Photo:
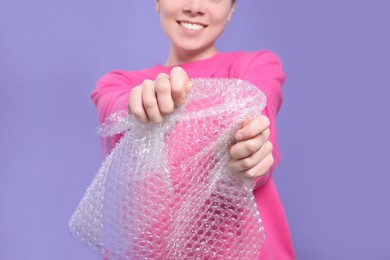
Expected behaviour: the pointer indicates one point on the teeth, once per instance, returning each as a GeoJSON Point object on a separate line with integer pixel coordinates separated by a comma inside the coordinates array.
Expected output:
{"type": "Point", "coordinates": [191, 26]}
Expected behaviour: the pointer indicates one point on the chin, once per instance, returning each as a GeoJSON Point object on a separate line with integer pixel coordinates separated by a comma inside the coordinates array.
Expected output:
{"type": "Point", "coordinates": [194, 47]}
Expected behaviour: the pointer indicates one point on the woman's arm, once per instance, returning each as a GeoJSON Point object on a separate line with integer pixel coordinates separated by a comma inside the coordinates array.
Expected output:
{"type": "Point", "coordinates": [111, 93]}
{"type": "Point", "coordinates": [256, 154]}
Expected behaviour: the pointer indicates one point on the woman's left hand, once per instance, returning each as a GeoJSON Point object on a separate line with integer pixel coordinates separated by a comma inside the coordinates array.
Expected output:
{"type": "Point", "coordinates": [251, 156]}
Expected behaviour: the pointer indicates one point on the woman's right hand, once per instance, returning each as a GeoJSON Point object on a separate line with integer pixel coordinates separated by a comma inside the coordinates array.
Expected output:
{"type": "Point", "coordinates": [153, 99]}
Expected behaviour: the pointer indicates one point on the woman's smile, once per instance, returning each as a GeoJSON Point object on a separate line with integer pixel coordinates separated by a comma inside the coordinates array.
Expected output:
{"type": "Point", "coordinates": [192, 26]}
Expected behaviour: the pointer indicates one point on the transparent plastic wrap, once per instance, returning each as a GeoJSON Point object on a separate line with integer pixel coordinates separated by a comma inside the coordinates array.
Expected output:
{"type": "Point", "coordinates": [165, 191]}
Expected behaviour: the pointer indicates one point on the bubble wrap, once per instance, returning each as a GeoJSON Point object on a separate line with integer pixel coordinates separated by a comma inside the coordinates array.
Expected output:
{"type": "Point", "coordinates": [165, 191]}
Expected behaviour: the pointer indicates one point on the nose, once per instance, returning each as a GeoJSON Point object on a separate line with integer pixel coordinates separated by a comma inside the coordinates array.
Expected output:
{"type": "Point", "coordinates": [194, 7]}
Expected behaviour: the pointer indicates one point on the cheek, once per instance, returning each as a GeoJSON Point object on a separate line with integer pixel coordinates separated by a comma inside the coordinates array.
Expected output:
{"type": "Point", "coordinates": [167, 12]}
{"type": "Point", "coordinates": [221, 23]}
{"type": "Point", "coordinates": [222, 18]}
{"type": "Point", "coordinates": [166, 20]}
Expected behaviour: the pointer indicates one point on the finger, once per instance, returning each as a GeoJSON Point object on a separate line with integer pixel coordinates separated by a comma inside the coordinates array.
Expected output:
{"type": "Point", "coordinates": [259, 169]}
{"type": "Point", "coordinates": [179, 84]}
{"type": "Point", "coordinates": [254, 128]}
{"type": "Point", "coordinates": [188, 86]}
{"type": "Point", "coordinates": [136, 107]}
{"type": "Point", "coordinates": [249, 162]}
{"type": "Point", "coordinates": [248, 147]}
{"type": "Point", "coordinates": [163, 91]}
{"type": "Point", "coordinates": [149, 100]}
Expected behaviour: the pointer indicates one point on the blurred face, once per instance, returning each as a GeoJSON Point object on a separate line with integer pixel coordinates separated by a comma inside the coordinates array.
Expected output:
{"type": "Point", "coordinates": [192, 26]}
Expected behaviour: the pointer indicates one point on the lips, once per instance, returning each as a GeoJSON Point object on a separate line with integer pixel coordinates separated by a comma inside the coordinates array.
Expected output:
{"type": "Point", "coordinates": [191, 25]}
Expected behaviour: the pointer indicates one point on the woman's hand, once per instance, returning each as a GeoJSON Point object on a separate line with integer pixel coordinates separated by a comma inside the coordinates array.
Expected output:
{"type": "Point", "coordinates": [151, 100]}
{"type": "Point", "coordinates": [251, 156]}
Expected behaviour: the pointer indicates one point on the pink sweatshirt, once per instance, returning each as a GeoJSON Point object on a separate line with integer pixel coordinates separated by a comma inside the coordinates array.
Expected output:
{"type": "Point", "coordinates": [262, 69]}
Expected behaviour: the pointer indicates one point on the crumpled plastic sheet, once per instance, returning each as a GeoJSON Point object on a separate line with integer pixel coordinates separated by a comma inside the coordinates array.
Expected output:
{"type": "Point", "coordinates": [165, 191]}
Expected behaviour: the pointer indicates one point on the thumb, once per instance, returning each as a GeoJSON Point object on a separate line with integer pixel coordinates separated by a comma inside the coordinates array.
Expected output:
{"type": "Point", "coordinates": [179, 79]}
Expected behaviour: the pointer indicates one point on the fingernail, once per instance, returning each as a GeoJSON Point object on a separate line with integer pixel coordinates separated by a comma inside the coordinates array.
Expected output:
{"type": "Point", "coordinates": [189, 85]}
{"type": "Point", "coordinates": [179, 101]}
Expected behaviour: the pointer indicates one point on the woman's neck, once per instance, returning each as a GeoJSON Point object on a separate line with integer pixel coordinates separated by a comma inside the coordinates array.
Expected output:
{"type": "Point", "coordinates": [181, 57]}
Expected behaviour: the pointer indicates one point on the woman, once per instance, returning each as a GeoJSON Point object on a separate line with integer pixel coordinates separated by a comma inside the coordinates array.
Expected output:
{"type": "Point", "coordinates": [192, 27]}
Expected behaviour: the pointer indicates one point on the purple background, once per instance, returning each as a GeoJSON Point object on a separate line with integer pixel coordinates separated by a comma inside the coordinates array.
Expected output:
{"type": "Point", "coordinates": [333, 127]}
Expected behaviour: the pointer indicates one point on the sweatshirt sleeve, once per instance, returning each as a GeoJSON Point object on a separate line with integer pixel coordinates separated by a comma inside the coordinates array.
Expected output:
{"type": "Point", "coordinates": [264, 70]}
{"type": "Point", "coordinates": [111, 95]}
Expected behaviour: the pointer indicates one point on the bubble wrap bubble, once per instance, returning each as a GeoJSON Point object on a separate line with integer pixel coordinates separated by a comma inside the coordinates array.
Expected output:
{"type": "Point", "coordinates": [165, 191]}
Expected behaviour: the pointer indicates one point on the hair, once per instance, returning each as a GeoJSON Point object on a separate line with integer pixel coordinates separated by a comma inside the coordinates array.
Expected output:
{"type": "Point", "coordinates": [233, 1]}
